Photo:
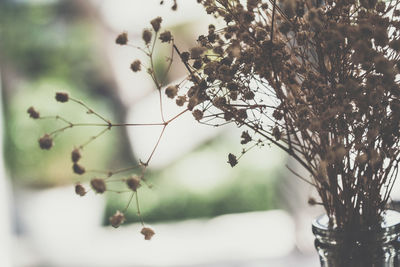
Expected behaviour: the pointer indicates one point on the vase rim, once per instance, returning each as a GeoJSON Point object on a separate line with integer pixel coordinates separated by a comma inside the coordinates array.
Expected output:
{"type": "Point", "coordinates": [390, 225]}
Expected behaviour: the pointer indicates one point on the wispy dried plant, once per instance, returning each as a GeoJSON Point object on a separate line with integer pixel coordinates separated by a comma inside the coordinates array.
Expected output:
{"type": "Point", "coordinates": [317, 79]}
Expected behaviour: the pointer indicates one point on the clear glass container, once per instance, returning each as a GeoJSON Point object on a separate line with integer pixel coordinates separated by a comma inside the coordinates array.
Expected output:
{"type": "Point", "coordinates": [363, 248]}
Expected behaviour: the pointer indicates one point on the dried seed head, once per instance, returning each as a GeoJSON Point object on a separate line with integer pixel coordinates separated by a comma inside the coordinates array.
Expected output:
{"type": "Point", "coordinates": [75, 155]}
{"type": "Point", "coordinates": [46, 142]}
{"type": "Point", "coordinates": [166, 37]}
{"type": "Point", "coordinates": [185, 56]}
{"type": "Point", "coordinates": [277, 133]}
{"type": "Point", "coordinates": [171, 91]}
{"type": "Point", "coordinates": [312, 201]}
{"type": "Point", "coordinates": [122, 39]}
{"type": "Point", "coordinates": [62, 97]}
{"type": "Point", "coordinates": [147, 232]}
{"type": "Point", "coordinates": [33, 113]}
{"type": "Point", "coordinates": [156, 23]}
{"type": "Point", "coordinates": [232, 160]}
{"type": "Point", "coordinates": [146, 36]}
{"type": "Point", "coordinates": [98, 185]}
{"type": "Point", "coordinates": [180, 100]}
{"type": "Point", "coordinates": [80, 190]}
{"type": "Point", "coordinates": [117, 219]}
{"type": "Point", "coordinates": [197, 114]}
{"type": "Point", "coordinates": [136, 65]}
{"type": "Point", "coordinates": [245, 138]}
{"type": "Point", "coordinates": [133, 182]}
{"type": "Point", "coordinates": [78, 169]}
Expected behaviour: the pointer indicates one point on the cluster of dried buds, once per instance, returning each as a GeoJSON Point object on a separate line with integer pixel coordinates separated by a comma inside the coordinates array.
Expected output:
{"type": "Point", "coordinates": [98, 184]}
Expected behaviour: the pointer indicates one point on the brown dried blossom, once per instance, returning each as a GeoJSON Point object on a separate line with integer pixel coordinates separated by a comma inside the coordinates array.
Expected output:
{"type": "Point", "coordinates": [80, 190]}
{"type": "Point", "coordinates": [133, 182]}
{"type": "Point", "coordinates": [166, 37]}
{"type": "Point", "coordinates": [146, 36]}
{"type": "Point", "coordinates": [156, 23]}
{"type": "Point", "coordinates": [33, 113]}
{"type": "Point", "coordinates": [78, 169]}
{"type": "Point", "coordinates": [75, 155]}
{"type": "Point", "coordinates": [147, 232]}
{"type": "Point", "coordinates": [98, 185]}
{"type": "Point", "coordinates": [62, 97]}
{"type": "Point", "coordinates": [232, 160]}
{"type": "Point", "coordinates": [46, 142]}
{"type": "Point", "coordinates": [117, 219]}
{"type": "Point", "coordinates": [122, 39]}
{"type": "Point", "coordinates": [136, 66]}
{"type": "Point", "coordinates": [171, 91]}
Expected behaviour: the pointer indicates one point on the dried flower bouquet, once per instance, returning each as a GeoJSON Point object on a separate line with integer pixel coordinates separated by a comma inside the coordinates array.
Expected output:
{"type": "Point", "coordinates": [317, 79]}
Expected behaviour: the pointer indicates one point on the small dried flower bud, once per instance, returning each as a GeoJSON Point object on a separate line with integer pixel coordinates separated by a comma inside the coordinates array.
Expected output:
{"type": "Point", "coordinates": [62, 97]}
{"type": "Point", "coordinates": [197, 114]}
{"type": "Point", "coordinates": [98, 185]}
{"type": "Point", "coordinates": [136, 65]}
{"type": "Point", "coordinates": [242, 114]}
{"type": "Point", "coordinates": [156, 23]}
{"type": "Point", "coordinates": [133, 182]}
{"type": "Point", "coordinates": [46, 142]}
{"type": "Point", "coordinates": [277, 133]}
{"type": "Point", "coordinates": [80, 190]}
{"type": "Point", "coordinates": [146, 36]}
{"type": "Point", "coordinates": [75, 155]}
{"type": "Point", "coordinates": [180, 100]}
{"type": "Point", "coordinates": [185, 56]}
{"type": "Point", "coordinates": [117, 219]}
{"type": "Point", "coordinates": [78, 169]}
{"type": "Point", "coordinates": [166, 37]}
{"type": "Point", "coordinates": [245, 138]}
{"type": "Point", "coordinates": [197, 64]}
{"type": "Point", "coordinates": [232, 160]}
{"type": "Point", "coordinates": [171, 91]}
{"type": "Point", "coordinates": [122, 39]}
{"type": "Point", "coordinates": [147, 232]}
{"type": "Point", "coordinates": [33, 113]}
{"type": "Point", "coordinates": [312, 201]}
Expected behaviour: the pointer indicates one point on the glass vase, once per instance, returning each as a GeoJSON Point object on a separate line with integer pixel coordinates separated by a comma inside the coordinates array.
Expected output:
{"type": "Point", "coordinates": [359, 248]}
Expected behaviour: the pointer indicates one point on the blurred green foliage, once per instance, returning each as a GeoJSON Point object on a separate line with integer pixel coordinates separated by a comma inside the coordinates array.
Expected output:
{"type": "Point", "coordinates": [47, 48]}
{"type": "Point", "coordinates": [249, 186]}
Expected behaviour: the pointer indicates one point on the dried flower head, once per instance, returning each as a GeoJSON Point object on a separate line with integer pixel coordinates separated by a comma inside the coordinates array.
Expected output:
{"type": "Point", "coordinates": [98, 185]}
{"type": "Point", "coordinates": [166, 37]}
{"type": "Point", "coordinates": [133, 182]}
{"type": "Point", "coordinates": [171, 91]}
{"type": "Point", "coordinates": [33, 113]}
{"type": "Point", "coordinates": [197, 114]}
{"type": "Point", "coordinates": [117, 219]}
{"type": "Point", "coordinates": [312, 201]}
{"type": "Point", "coordinates": [136, 65]}
{"type": "Point", "coordinates": [46, 142]}
{"type": "Point", "coordinates": [62, 97]}
{"type": "Point", "coordinates": [147, 232]}
{"type": "Point", "coordinates": [122, 39]}
{"type": "Point", "coordinates": [78, 169]}
{"type": "Point", "coordinates": [245, 137]}
{"type": "Point", "coordinates": [156, 23]}
{"type": "Point", "coordinates": [80, 190]}
{"type": "Point", "coordinates": [232, 160]}
{"type": "Point", "coordinates": [146, 36]}
{"type": "Point", "coordinates": [76, 155]}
